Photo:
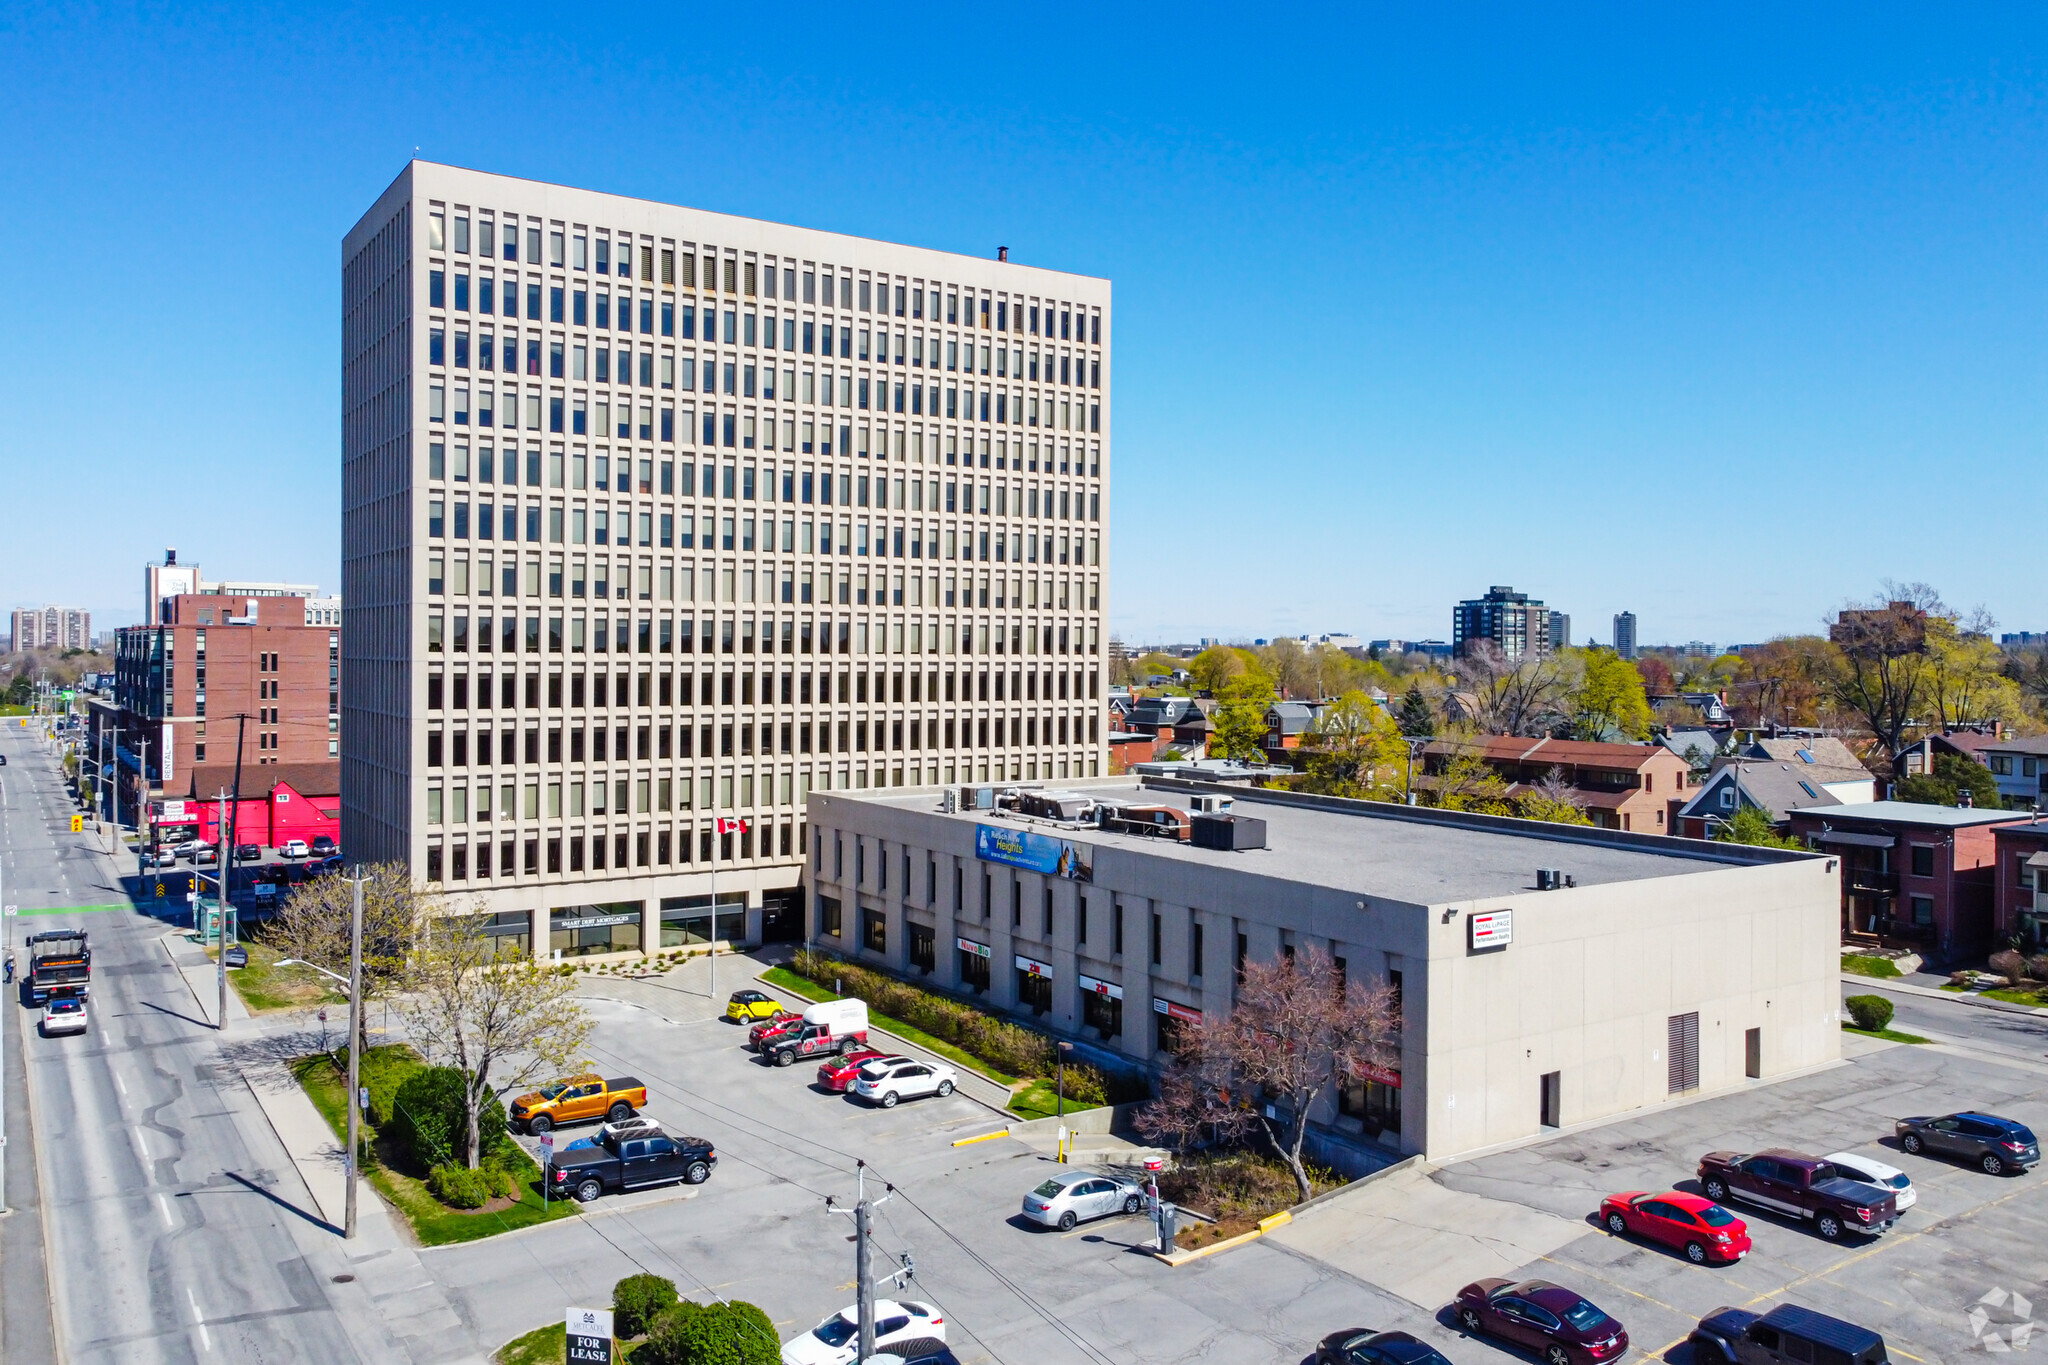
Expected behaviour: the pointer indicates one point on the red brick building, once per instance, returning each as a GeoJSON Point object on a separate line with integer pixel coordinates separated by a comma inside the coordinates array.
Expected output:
{"type": "Point", "coordinates": [1915, 874]}
{"type": "Point", "coordinates": [180, 685]}
{"type": "Point", "coordinates": [2020, 888]}
{"type": "Point", "coordinates": [1621, 786]}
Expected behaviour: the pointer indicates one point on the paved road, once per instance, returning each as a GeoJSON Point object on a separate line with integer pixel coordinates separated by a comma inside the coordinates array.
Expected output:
{"type": "Point", "coordinates": [174, 1223]}
{"type": "Point", "coordinates": [2009, 1033]}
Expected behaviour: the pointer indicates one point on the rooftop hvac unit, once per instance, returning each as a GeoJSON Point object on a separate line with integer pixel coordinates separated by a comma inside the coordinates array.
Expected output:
{"type": "Point", "coordinates": [1212, 805]}
{"type": "Point", "coordinates": [977, 798]}
{"type": "Point", "coordinates": [1229, 833]}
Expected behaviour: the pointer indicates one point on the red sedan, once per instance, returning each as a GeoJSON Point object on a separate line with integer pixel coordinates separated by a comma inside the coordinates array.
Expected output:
{"type": "Point", "coordinates": [1700, 1228]}
{"type": "Point", "coordinates": [773, 1027]}
{"type": "Point", "coordinates": [836, 1073]}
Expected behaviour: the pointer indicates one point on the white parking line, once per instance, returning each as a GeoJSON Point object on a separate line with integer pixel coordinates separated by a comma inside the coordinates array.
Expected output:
{"type": "Point", "coordinates": [163, 1206]}
{"type": "Point", "coordinates": [198, 1319]}
{"type": "Point", "coordinates": [122, 1086]}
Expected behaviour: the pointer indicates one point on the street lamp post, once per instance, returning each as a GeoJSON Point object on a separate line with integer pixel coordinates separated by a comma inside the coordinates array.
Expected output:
{"type": "Point", "coordinates": [1060, 1085]}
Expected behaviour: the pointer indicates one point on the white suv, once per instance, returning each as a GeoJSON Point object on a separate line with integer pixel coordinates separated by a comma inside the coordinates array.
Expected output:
{"type": "Point", "coordinates": [891, 1079]}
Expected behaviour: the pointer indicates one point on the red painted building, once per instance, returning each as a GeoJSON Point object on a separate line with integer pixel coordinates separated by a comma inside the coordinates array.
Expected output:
{"type": "Point", "coordinates": [279, 803]}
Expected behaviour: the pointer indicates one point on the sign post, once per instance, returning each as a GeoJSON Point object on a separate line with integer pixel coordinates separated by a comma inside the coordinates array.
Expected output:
{"type": "Point", "coordinates": [590, 1336]}
{"type": "Point", "coordinates": [547, 1159]}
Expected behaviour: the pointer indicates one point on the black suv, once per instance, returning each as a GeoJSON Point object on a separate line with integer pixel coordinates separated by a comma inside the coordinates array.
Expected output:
{"type": "Point", "coordinates": [1995, 1144]}
{"type": "Point", "coordinates": [324, 846]}
{"type": "Point", "coordinates": [628, 1157]}
{"type": "Point", "coordinates": [917, 1351]}
{"type": "Point", "coordinates": [1787, 1335]}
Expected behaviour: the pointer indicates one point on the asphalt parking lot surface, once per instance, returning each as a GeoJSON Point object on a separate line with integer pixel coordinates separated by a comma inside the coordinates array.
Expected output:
{"type": "Point", "coordinates": [1017, 1296]}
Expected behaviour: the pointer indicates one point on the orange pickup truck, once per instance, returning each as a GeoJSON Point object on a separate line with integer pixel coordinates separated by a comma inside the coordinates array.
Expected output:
{"type": "Point", "coordinates": [578, 1099]}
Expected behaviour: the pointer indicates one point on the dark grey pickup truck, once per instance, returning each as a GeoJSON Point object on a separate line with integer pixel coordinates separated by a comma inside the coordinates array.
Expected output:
{"type": "Point", "coordinates": [628, 1157]}
{"type": "Point", "coordinates": [1798, 1186]}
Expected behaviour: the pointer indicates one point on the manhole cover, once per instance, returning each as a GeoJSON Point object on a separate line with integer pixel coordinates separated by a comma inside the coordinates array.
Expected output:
{"type": "Point", "coordinates": [344, 1279]}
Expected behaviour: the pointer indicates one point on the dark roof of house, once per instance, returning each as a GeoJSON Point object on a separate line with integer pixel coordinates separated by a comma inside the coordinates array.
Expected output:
{"type": "Point", "coordinates": [1777, 789]}
{"type": "Point", "coordinates": [260, 779]}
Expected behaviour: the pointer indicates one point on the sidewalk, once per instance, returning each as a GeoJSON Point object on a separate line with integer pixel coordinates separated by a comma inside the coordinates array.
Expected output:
{"type": "Point", "coordinates": [199, 972]}
{"type": "Point", "coordinates": [1903, 987]}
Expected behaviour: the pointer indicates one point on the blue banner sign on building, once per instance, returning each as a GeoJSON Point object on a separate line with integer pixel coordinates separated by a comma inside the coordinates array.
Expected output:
{"type": "Point", "coordinates": [1034, 852]}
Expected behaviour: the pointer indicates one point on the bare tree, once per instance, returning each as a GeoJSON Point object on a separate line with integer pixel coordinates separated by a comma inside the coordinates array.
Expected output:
{"type": "Point", "coordinates": [1298, 1028]}
{"type": "Point", "coordinates": [313, 926]}
{"type": "Point", "coordinates": [1881, 673]}
{"type": "Point", "coordinates": [1528, 697]}
{"type": "Point", "coordinates": [501, 1019]}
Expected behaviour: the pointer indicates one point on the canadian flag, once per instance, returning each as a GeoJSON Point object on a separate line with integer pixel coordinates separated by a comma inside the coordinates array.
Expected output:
{"type": "Point", "coordinates": [731, 825]}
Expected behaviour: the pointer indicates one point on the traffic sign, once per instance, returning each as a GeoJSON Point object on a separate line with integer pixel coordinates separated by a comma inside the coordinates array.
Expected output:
{"type": "Point", "coordinates": [77, 824]}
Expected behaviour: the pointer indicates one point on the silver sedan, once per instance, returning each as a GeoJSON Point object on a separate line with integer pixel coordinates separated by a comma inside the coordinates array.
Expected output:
{"type": "Point", "coordinates": [1074, 1196]}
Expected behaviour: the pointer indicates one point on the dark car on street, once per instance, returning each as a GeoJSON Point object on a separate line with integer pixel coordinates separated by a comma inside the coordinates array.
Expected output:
{"type": "Point", "coordinates": [1996, 1145]}
{"type": "Point", "coordinates": [1559, 1324]}
{"type": "Point", "coordinates": [324, 846]}
{"type": "Point", "coordinates": [638, 1156]}
{"type": "Point", "coordinates": [248, 853]}
{"type": "Point", "coordinates": [1364, 1346]}
{"type": "Point", "coordinates": [1799, 1186]}
{"type": "Point", "coordinates": [915, 1351]}
{"type": "Point", "coordinates": [1787, 1335]}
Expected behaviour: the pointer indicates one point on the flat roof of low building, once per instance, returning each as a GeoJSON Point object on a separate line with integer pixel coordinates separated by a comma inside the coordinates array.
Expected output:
{"type": "Point", "coordinates": [1421, 856]}
{"type": "Point", "coordinates": [1919, 813]}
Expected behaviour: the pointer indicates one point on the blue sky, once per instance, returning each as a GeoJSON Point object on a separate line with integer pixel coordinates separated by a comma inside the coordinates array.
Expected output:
{"type": "Point", "coordinates": [1721, 319]}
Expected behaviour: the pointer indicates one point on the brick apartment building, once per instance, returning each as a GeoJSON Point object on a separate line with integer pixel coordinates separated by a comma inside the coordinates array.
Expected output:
{"type": "Point", "coordinates": [1622, 786]}
{"type": "Point", "coordinates": [1919, 874]}
{"type": "Point", "coordinates": [180, 685]}
{"type": "Point", "coordinates": [2020, 885]}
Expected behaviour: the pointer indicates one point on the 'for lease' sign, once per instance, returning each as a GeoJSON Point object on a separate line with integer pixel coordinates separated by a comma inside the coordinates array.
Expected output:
{"type": "Point", "coordinates": [590, 1336]}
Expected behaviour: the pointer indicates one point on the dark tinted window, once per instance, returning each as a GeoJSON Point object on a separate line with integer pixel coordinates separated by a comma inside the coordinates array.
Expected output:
{"type": "Point", "coordinates": [1978, 1128]}
{"type": "Point", "coordinates": [1828, 1355]}
{"type": "Point", "coordinates": [888, 1325]}
{"type": "Point", "coordinates": [1716, 1216]}
{"type": "Point", "coordinates": [1766, 1337]}
{"type": "Point", "coordinates": [1584, 1316]}
{"type": "Point", "coordinates": [1799, 1349]}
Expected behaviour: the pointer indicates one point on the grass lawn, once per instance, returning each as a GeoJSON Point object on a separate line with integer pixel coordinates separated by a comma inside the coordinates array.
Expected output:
{"type": "Point", "coordinates": [1890, 1035]}
{"type": "Point", "coordinates": [433, 1223]}
{"type": "Point", "coordinates": [2031, 999]}
{"type": "Point", "coordinates": [1863, 964]}
{"type": "Point", "coordinates": [796, 985]}
{"type": "Point", "coordinates": [1040, 1100]}
{"type": "Point", "coordinates": [548, 1346]}
{"type": "Point", "coordinates": [265, 987]}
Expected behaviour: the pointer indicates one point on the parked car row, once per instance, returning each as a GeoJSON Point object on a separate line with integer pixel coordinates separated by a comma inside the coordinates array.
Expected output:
{"type": "Point", "coordinates": [201, 853]}
{"type": "Point", "coordinates": [837, 1032]}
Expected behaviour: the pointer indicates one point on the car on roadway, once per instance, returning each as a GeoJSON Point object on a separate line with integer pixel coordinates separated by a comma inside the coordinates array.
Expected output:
{"type": "Point", "coordinates": [206, 855]}
{"type": "Point", "coordinates": [836, 1073]}
{"type": "Point", "coordinates": [746, 1006]}
{"type": "Point", "coordinates": [1851, 1166]}
{"type": "Point", "coordinates": [1995, 1145]}
{"type": "Point", "coordinates": [1559, 1324]}
{"type": "Point", "coordinates": [158, 857]}
{"type": "Point", "coordinates": [293, 848]}
{"type": "Point", "coordinates": [836, 1340]}
{"type": "Point", "coordinates": [887, 1081]}
{"type": "Point", "coordinates": [1060, 1201]}
{"type": "Point", "coordinates": [1364, 1346]}
{"type": "Point", "coordinates": [248, 853]}
{"type": "Point", "coordinates": [185, 848]}
{"type": "Point", "coordinates": [324, 846]}
{"type": "Point", "coordinates": [63, 1014]}
{"type": "Point", "coordinates": [1700, 1228]}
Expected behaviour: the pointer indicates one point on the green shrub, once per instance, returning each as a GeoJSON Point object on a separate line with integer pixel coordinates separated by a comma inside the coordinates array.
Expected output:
{"type": "Point", "coordinates": [428, 1114]}
{"type": "Point", "coordinates": [734, 1333]}
{"type": "Point", "coordinates": [459, 1187]}
{"type": "Point", "coordinates": [638, 1300]}
{"type": "Point", "coordinates": [1871, 1013]}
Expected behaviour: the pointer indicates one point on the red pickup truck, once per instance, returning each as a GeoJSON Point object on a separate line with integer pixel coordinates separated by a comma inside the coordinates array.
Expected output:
{"type": "Point", "coordinates": [1799, 1186]}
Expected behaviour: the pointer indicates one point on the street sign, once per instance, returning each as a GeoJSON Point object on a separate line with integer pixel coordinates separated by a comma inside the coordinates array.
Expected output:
{"type": "Point", "coordinates": [363, 1099]}
{"type": "Point", "coordinates": [13, 910]}
{"type": "Point", "coordinates": [547, 1148]}
{"type": "Point", "coordinates": [77, 824]}
{"type": "Point", "coordinates": [590, 1336]}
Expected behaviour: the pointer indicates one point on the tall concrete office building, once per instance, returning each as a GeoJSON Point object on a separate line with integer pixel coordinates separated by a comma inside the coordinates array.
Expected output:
{"type": "Point", "coordinates": [1514, 621]}
{"type": "Point", "coordinates": [1625, 634]}
{"type": "Point", "coordinates": [655, 519]}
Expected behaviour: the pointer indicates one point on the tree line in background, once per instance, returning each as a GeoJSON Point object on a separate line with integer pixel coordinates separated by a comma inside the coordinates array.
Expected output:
{"type": "Point", "coordinates": [1886, 673]}
{"type": "Point", "coordinates": [22, 670]}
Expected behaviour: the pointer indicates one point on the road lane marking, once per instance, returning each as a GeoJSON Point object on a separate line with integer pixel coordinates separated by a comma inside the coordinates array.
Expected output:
{"type": "Point", "coordinates": [163, 1206]}
{"type": "Point", "coordinates": [122, 1085]}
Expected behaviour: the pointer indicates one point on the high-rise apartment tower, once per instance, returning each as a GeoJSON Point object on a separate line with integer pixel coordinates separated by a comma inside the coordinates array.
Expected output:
{"type": "Point", "coordinates": [656, 519]}
{"type": "Point", "coordinates": [1514, 621]}
{"type": "Point", "coordinates": [1625, 634]}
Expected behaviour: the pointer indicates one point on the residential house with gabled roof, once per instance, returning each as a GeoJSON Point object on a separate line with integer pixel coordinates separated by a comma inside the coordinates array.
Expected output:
{"type": "Point", "coordinates": [1620, 786]}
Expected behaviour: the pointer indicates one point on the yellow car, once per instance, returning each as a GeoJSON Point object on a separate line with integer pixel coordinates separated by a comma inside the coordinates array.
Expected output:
{"type": "Point", "coordinates": [746, 1006]}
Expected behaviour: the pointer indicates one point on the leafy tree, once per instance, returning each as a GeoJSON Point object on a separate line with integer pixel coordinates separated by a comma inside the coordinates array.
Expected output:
{"type": "Point", "coordinates": [638, 1300]}
{"type": "Point", "coordinates": [430, 1111]}
{"type": "Point", "coordinates": [1241, 719]}
{"type": "Point", "coordinates": [1965, 676]}
{"type": "Point", "coordinates": [733, 1333]}
{"type": "Point", "coordinates": [1214, 667]}
{"type": "Point", "coordinates": [502, 1021]}
{"type": "Point", "coordinates": [1415, 717]}
{"type": "Point", "coordinates": [1879, 668]}
{"type": "Point", "coordinates": [1610, 696]}
{"type": "Point", "coordinates": [1156, 664]}
{"type": "Point", "coordinates": [1298, 1027]}
{"type": "Point", "coordinates": [1463, 780]}
{"type": "Point", "coordinates": [1952, 776]}
{"type": "Point", "coordinates": [1353, 747]}
{"type": "Point", "coordinates": [1553, 800]}
{"type": "Point", "coordinates": [1656, 675]}
{"type": "Point", "coordinates": [1753, 826]}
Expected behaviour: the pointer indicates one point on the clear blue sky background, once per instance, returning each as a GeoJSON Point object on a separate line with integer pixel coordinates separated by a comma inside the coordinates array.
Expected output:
{"type": "Point", "coordinates": [1719, 318]}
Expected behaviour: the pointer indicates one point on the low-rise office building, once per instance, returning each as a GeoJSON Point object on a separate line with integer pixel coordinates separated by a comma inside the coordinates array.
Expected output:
{"type": "Point", "coordinates": [1657, 967]}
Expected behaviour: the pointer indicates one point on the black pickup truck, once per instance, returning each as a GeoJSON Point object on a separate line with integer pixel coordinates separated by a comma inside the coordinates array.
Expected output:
{"type": "Point", "coordinates": [1799, 1186]}
{"type": "Point", "coordinates": [628, 1157]}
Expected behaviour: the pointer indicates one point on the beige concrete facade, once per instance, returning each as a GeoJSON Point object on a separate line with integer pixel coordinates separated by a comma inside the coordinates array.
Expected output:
{"type": "Point", "coordinates": [1587, 989]}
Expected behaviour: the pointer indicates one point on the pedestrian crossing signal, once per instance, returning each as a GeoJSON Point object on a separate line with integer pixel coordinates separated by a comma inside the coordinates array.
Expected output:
{"type": "Point", "coordinates": [77, 824]}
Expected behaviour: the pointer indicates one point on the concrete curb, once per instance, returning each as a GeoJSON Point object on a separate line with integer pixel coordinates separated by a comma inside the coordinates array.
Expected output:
{"type": "Point", "coordinates": [1411, 1163]}
{"type": "Point", "coordinates": [1883, 983]}
{"type": "Point", "coordinates": [1274, 1221]}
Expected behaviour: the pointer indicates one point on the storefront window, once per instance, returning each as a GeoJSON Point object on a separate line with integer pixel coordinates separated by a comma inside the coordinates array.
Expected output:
{"type": "Point", "coordinates": [874, 931]}
{"type": "Point", "coordinates": [686, 920]}
{"type": "Point", "coordinates": [1171, 1024]}
{"type": "Point", "coordinates": [513, 930]}
{"type": "Point", "coordinates": [1374, 1103]}
{"type": "Point", "coordinates": [1034, 990]}
{"type": "Point", "coordinates": [974, 973]}
{"type": "Point", "coordinates": [577, 930]}
{"type": "Point", "coordinates": [1103, 1013]}
{"type": "Point", "coordinates": [923, 951]}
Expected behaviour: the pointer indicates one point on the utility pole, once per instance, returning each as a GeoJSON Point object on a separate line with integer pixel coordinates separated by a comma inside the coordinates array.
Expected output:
{"type": "Point", "coordinates": [355, 1036]}
{"type": "Point", "coordinates": [862, 1214]}
{"type": "Point", "coordinates": [226, 830]}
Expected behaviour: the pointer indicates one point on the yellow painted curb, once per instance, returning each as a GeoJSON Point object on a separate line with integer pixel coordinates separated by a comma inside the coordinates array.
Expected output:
{"type": "Point", "coordinates": [1180, 1258]}
{"type": "Point", "coordinates": [1280, 1219]}
{"type": "Point", "coordinates": [984, 1137]}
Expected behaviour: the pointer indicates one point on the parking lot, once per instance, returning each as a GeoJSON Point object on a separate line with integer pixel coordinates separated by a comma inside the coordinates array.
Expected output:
{"type": "Point", "coordinates": [758, 1229]}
